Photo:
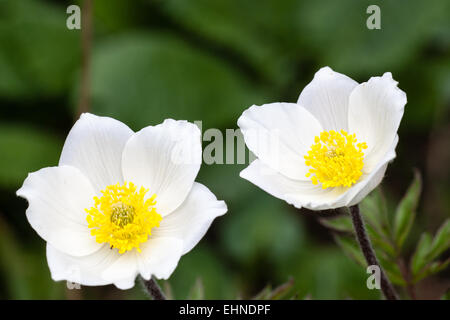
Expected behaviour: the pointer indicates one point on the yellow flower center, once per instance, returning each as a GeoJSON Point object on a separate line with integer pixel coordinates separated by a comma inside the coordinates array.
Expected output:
{"type": "Point", "coordinates": [336, 159]}
{"type": "Point", "coordinates": [123, 217]}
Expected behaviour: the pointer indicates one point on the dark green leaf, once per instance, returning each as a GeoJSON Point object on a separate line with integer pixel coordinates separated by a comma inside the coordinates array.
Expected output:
{"type": "Point", "coordinates": [374, 210]}
{"type": "Point", "coordinates": [351, 249]}
{"type": "Point", "coordinates": [281, 291]}
{"type": "Point", "coordinates": [38, 53]}
{"type": "Point", "coordinates": [264, 294]}
{"type": "Point", "coordinates": [441, 241]}
{"type": "Point", "coordinates": [144, 78]}
{"type": "Point", "coordinates": [432, 268]}
{"type": "Point", "coordinates": [28, 150]}
{"type": "Point", "coordinates": [419, 259]}
{"type": "Point", "coordinates": [406, 211]}
{"type": "Point", "coordinates": [392, 270]}
{"type": "Point", "coordinates": [341, 224]}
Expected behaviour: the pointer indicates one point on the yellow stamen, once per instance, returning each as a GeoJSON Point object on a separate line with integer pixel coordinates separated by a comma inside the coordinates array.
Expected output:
{"type": "Point", "coordinates": [123, 217]}
{"type": "Point", "coordinates": [336, 159]}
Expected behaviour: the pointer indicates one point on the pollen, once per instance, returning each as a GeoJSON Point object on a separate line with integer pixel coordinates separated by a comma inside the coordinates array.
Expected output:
{"type": "Point", "coordinates": [336, 159]}
{"type": "Point", "coordinates": [123, 217]}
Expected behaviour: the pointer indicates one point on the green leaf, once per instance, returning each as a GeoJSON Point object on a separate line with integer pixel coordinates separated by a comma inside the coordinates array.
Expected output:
{"type": "Point", "coordinates": [441, 241]}
{"type": "Point", "coordinates": [406, 211]}
{"type": "Point", "coordinates": [392, 270]}
{"type": "Point", "coordinates": [38, 53]}
{"type": "Point", "coordinates": [144, 78]}
{"type": "Point", "coordinates": [351, 249]}
{"type": "Point", "coordinates": [432, 268]}
{"type": "Point", "coordinates": [352, 43]}
{"type": "Point", "coordinates": [374, 211]}
{"type": "Point", "coordinates": [419, 258]}
{"type": "Point", "coordinates": [12, 265]}
{"type": "Point", "coordinates": [382, 244]}
{"type": "Point", "coordinates": [264, 41]}
{"type": "Point", "coordinates": [268, 228]}
{"type": "Point", "coordinates": [278, 293]}
{"type": "Point", "coordinates": [429, 249]}
{"type": "Point", "coordinates": [340, 223]}
{"type": "Point", "coordinates": [28, 149]}
{"type": "Point", "coordinates": [281, 291]}
{"type": "Point", "coordinates": [197, 291]}
{"type": "Point", "coordinates": [264, 294]}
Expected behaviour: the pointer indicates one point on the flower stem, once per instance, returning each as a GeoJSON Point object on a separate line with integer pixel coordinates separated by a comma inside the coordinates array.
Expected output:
{"type": "Point", "coordinates": [153, 289]}
{"type": "Point", "coordinates": [369, 254]}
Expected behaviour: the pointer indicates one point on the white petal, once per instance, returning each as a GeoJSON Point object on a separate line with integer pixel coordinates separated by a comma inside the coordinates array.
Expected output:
{"type": "Point", "coordinates": [280, 134]}
{"type": "Point", "coordinates": [58, 197]}
{"type": "Point", "coordinates": [86, 270]}
{"type": "Point", "coordinates": [95, 145]}
{"type": "Point", "coordinates": [370, 181]}
{"type": "Point", "coordinates": [123, 271]}
{"type": "Point", "coordinates": [326, 97]}
{"type": "Point", "coordinates": [375, 110]}
{"type": "Point", "coordinates": [165, 159]}
{"type": "Point", "coordinates": [298, 193]}
{"type": "Point", "coordinates": [159, 257]}
{"type": "Point", "coordinates": [192, 218]}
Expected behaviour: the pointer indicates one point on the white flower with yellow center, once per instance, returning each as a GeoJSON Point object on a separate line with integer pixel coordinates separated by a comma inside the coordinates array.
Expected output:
{"type": "Point", "coordinates": [332, 147]}
{"type": "Point", "coordinates": [121, 203]}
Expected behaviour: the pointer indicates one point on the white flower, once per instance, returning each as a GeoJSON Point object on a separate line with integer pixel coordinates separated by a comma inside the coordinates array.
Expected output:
{"type": "Point", "coordinates": [121, 203]}
{"type": "Point", "coordinates": [331, 148]}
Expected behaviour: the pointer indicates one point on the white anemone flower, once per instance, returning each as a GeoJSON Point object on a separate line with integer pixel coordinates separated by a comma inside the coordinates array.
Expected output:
{"type": "Point", "coordinates": [121, 203]}
{"type": "Point", "coordinates": [332, 147]}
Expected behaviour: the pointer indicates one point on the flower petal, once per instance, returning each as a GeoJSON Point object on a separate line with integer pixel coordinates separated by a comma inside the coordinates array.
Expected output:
{"type": "Point", "coordinates": [326, 97]}
{"type": "Point", "coordinates": [190, 221]}
{"type": "Point", "coordinates": [298, 193]}
{"type": "Point", "coordinates": [166, 159]}
{"type": "Point", "coordinates": [57, 197]}
{"type": "Point", "coordinates": [305, 194]}
{"type": "Point", "coordinates": [375, 110]}
{"type": "Point", "coordinates": [370, 181]}
{"type": "Point", "coordinates": [159, 257]}
{"type": "Point", "coordinates": [95, 145]}
{"type": "Point", "coordinates": [123, 271]}
{"type": "Point", "coordinates": [86, 270]}
{"type": "Point", "coordinates": [280, 134]}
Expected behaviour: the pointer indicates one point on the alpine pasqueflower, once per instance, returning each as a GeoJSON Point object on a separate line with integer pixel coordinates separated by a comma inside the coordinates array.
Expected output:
{"type": "Point", "coordinates": [121, 203]}
{"type": "Point", "coordinates": [332, 147]}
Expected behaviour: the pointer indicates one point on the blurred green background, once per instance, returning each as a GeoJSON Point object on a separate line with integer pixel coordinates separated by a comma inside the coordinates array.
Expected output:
{"type": "Point", "coordinates": [209, 60]}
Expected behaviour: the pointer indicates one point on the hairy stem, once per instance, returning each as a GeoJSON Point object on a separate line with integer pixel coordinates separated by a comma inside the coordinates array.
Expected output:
{"type": "Point", "coordinates": [153, 289]}
{"type": "Point", "coordinates": [369, 254]}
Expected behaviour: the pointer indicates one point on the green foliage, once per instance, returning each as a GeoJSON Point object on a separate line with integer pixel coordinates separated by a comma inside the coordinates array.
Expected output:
{"type": "Point", "coordinates": [38, 54]}
{"type": "Point", "coordinates": [428, 250]}
{"type": "Point", "coordinates": [23, 282]}
{"type": "Point", "coordinates": [267, 229]}
{"type": "Point", "coordinates": [209, 60]}
{"type": "Point", "coordinates": [28, 149]}
{"type": "Point", "coordinates": [281, 292]}
{"type": "Point", "coordinates": [406, 211]}
{"type": "Point", "coordinates": [388, 241]}
{"type": "Point", "coordinates": [158, 76]}
{"type": "Point", "coordinates": [340, 224]}
{"type": "Point", "coordinates": [197, 291]}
